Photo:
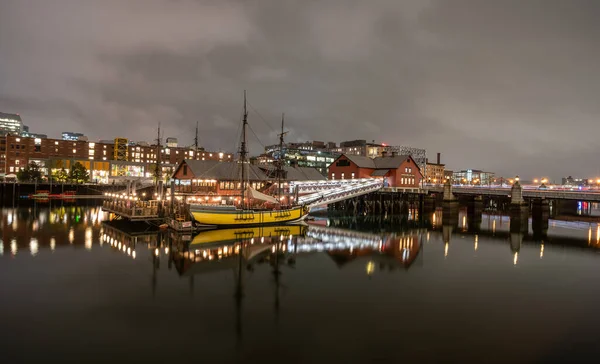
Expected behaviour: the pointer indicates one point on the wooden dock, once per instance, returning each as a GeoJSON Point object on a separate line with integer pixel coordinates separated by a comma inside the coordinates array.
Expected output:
{"type": "Point", "coordinates": [133, 210]}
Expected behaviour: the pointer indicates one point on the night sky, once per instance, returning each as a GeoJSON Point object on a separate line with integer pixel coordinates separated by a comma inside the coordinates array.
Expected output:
{"type": "Point", "coordinates": [507, 86]}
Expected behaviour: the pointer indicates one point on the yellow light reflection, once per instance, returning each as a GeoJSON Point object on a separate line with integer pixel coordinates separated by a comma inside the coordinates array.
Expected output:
{"type": "Point", "coordinates": [494, 226]}
{"type": "Point", "coordinates": [71, 236]}
{"type": "Point", "coordinates": [13, 247]}
{"type": "Point", "coordinates": [52, 243]}
{"type": "Point", "coordinates": [476, 241]}
{"type": "Point", "coordinates": [133, 254]}
{"type": "Point", "coordinates": [598, 234]}
{"type": "Point", "coordinates": [590, 235]}
{"type": "Point", "coordinates": [428, 236]}
{"type": "Point", "coordinates": [370, 268]}
{"type": "Point", "coordinates": [446, 250]}
{"type": "Point", "coordinates": [541, 251]}
{"type": "Point", "coordinates": [464, 222]}
{"type": "Point", "coordinates": [33, 247]}
{"type": "Point", "coordinates": [88, 238]}
{"type": "Point", "coordinates": [1, 247]}
{"type": "Point", "coordinates": [516, 258]}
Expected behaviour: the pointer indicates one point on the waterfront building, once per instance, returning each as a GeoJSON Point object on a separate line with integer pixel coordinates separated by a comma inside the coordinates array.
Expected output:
{"type": "Point", "coordinates": [472, 177]}
{"type": "Point", "coordinates": [448, 175]}
{"type": "Point", "coordinates": [576, 182]}
{"type": "Point", "coordinates": [311, 154]}
{"type": "Point", "coordinates": [434, 172]}
{"type": "Point", "coordinates": [210, 177]}
{"type": "Point", "coordinates": [16, 152]}
{"type": "Point", "coordinates": [395, 170]}
{"type": "Point", "coordinates": [68, 135]}
{"type": "Point", "coordinates": [360, 147]}
{"type": "Point", "coordinates": [10, 124]}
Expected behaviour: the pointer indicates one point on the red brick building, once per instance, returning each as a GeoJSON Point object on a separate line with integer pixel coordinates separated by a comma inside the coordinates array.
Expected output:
{"type": "Point", "coordinates": [395, 170]}
{"type": "Point", "coordinates": [16, 152]}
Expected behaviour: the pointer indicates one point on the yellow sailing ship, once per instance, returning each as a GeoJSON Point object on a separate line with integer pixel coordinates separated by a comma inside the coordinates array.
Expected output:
{"type": "Point", "coordinates": [231, 216]}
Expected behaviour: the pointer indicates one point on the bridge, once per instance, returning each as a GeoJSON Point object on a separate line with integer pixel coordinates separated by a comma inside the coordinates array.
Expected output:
{"type": "Point", "coordinates": [550, 194]}
{"type": "Point", "coordinates": [317, 193]}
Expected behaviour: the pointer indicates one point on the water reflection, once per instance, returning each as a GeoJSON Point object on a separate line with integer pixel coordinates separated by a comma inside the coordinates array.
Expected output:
{"type": "Point", "coordinates": [324, 269]}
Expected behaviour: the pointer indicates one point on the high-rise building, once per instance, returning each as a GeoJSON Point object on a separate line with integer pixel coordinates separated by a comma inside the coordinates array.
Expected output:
{"type": "Point", "coordinates": [67, 135]}
{"type": "Point", "coordinates": [10, 124]}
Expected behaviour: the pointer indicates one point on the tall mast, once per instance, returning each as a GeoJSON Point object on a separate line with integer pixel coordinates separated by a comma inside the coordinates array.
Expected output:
{"type": "Point", "coordinates": [196, 141]}
{"type": "Point", "coordinates": [244, 152]}
{"type": "Point", "coordinates": [158, 170]}
{"type": "Point", "coordinates": [281, 159]}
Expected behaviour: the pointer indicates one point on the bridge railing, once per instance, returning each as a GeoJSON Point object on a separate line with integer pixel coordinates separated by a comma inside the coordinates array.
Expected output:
{"type": "Point", "coordinates": [342, 193]}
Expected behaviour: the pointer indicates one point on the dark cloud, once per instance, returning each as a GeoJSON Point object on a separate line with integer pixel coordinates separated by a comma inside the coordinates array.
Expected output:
{"type": "Point", "coordinates": [509, 86]}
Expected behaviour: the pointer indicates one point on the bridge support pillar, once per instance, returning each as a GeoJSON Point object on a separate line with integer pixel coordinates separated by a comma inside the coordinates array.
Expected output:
{"type": "Point", "coordinates": [519, 218]}
{"type": "Point", "coordinates": [474, 210]}
{"type": "Point", "coordinates": [540, 213]}
{"type": "Point", "coordinates": [518, 210]}
{"type": "Point", "coordinates": [448, 196]}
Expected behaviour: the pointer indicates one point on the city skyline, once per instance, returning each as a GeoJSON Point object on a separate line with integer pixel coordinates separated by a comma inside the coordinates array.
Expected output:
{"type": "Point", "coordinates": [506, 86]}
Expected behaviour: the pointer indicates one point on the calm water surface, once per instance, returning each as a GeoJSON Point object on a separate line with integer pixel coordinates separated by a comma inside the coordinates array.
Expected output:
{"type": "Point", "coordinates": [77, 289]}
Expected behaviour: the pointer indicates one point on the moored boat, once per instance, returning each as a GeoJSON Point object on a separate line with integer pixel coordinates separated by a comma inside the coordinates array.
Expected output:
{"type": "Point", "coordinates": [244, 215]}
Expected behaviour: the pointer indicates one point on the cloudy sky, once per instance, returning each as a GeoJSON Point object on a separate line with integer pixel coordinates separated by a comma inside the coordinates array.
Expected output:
{"type": "Point", "coordinates": [510, 86]}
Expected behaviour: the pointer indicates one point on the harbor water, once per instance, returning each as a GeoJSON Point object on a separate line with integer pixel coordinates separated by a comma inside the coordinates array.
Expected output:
{"type": "Point", "coordinates": [76, 288]}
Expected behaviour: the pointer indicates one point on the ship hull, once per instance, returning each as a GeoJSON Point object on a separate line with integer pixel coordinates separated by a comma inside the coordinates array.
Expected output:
{"type": "Point", "coordinates": [234, 217]}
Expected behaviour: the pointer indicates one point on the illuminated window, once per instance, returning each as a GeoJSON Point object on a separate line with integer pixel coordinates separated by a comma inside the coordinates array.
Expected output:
{"type": "Point", "coordinates": [74, 151]}
{"type": "Point", "coordinates": [104, 152]}
{"type": "Point", "coordinates": [37, 141]}
{"type": "Point", "coordinates": [210, 154]}
{"type": "Point", "coordinates": [92, 145]}
{"type": "Point", "coordinates": [55, 143]}
{"type": "Point", "coordinates": [18, 139]}
{"type": "Point", "coordinates": [220, 155]}
{"type": "Point", "coordinates": [352, 175]}
{"type": "Point", "coordinates": [91, 152]}
{"type": "Point", "coordinates": [17, 162]}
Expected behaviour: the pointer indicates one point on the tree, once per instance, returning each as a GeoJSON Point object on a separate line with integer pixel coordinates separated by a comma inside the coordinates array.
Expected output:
{"type": "Point", "coordinates": [79, 174]}
{"type": "Point", "coordinates": [61, 175]}
{"type": "Point", "coordinates": [30, 173]}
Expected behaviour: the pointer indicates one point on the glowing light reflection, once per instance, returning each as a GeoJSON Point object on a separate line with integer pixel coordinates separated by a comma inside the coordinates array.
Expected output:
{"type": "Point", "coordinates": [33, 247]}
{"type": "Point", "coordinates": [13, 247]}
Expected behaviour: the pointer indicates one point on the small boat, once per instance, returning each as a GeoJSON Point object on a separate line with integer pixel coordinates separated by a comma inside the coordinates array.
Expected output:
{"type": "Point", "coordinates": [40, 195]}
{"type": "Point", "coordinates": [232, 216]}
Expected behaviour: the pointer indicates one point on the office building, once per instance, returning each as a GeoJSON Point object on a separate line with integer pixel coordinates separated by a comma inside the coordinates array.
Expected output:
{"type": "Point", "coordinates": [10, 124]}
{"type": "Point", "coordinates": [67, 135]}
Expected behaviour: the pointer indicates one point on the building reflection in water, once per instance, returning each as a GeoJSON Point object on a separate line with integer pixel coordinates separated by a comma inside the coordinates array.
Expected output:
{"type": "Point", "coordinates": [34, 228]}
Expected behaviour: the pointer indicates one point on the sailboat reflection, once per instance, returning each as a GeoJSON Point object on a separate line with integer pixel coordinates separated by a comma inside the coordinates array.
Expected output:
{"type": "Point", "coordinates": [281, 245]}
